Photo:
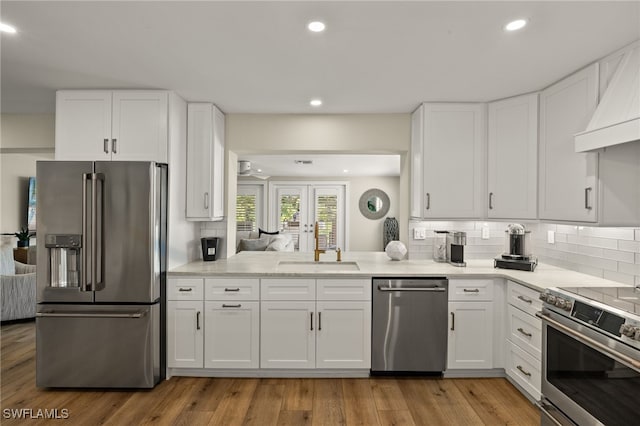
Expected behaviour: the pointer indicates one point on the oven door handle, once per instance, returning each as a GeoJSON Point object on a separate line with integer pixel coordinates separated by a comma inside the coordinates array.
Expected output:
{"type": "Point", "coordinates": [617, 356]}
{"type": "Point", "coordinates": [545, 412]}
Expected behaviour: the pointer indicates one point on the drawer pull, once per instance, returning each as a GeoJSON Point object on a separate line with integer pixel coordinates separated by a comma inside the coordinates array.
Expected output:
{"type": "Point", "coordinates": [524, 332]}
{"type": "Point", "coordinates": [185, 289]}
{"type": "Point", "coordinates": [475, 290]}
{"type": "Point", "coordinates": [523, 371]}
{"type": "Point", "coordinates": [231, 289]}
{"type": "Point", "coordinates": [525, 299]}
{"type": "Point", "coordinates": [231, 306]}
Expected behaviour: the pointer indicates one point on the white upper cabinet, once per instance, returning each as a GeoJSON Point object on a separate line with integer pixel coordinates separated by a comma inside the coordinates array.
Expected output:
{"type": "Point", "coordinates": [513, 158]}
{"type": "Point", "coordinates": [453, 161]}
{"type": "Point", "coordinates": [127, 125]}
{"type": "Point", "coordinates": [416, 198]}
{"type": "Point", "coordinates": [205, 162]}
{"type": "Point", "coordinates": [568, 180]}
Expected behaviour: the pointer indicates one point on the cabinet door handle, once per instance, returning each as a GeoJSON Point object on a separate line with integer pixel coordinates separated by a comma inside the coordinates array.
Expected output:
{"type": "Point", "coordinates": [231, 289]}
{"type": "Point", "coordinates": [428, 201]}
{"type": "Point", "coordinates": [491, 201]}
{"type": "Point", "coordinates": [311, 321]}
{"type": "Point", "coordinates": [185, 289]}
{"type": "Point", "coordinates": [231, 306]}
{"type": "Point", "coordinates": [467, 290]}
{"type": "Point", "coordinates": [453, 321]}
{"type": "Point", "coordinates": [319, 321]}
{"type": "Point", "coordinates": [198, 320]}
{"type": "Point", "coordinates": [114, 146]}
{"type": "Point", "coordinates": [524, 332]}
{"type": "Point", "coordinates": [523, 371]}
{"type": "Point", "coordinates": [106, 146]}
{"type": "Point", "coordinates": [525, 300]}
{"type": "Point", "coordinates": [206, 200]}
{"type": "Point", "coordinates": [587, 191]}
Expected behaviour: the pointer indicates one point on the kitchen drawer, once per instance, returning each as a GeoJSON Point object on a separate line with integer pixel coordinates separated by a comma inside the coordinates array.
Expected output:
{"type": "Point", "coordinates": [524, 369]}
{"type": "Point", "coordinates": [288, 289]}
{"type": "Point", "coordinates": [525, 331]}
{"type": "Point", "coordinates": [469, 290]}
{"type": "Point", "coordinates": [523, 298]}
{"type": "Point", "coordinates": [232, 289]}
{"type": "Point", "coordinates": [344, 289]}
{"type": "Point", "coordinates": [185, 289]}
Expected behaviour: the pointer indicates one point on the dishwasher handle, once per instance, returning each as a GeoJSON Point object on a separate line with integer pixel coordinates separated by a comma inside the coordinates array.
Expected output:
{"type": "Point", "coordinates": [431, 289]}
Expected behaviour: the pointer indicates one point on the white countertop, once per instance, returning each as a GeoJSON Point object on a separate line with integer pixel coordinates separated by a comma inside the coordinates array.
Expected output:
{"type": "Point", "coordinates": [377, 264]}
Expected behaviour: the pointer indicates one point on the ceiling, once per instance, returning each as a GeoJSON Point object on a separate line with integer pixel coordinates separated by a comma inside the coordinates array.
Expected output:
{"type": "Point", "coordinates": [258, 57]}
{"type": "Point", "coordinates": [324, 165]}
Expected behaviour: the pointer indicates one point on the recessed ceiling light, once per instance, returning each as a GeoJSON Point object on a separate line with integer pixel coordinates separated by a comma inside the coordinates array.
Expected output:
{"type": "Point", "coordinates": [345, 171]}
{"type": "Point", "coordinates": [515, 25]}
{"type": "Point", "coordinates": [316, 26]}
{"type": "Point", "coordinates": [259, 170]}
{"type": "Point", "coordinates": [5, 28]}
{"type": "Point", "coordinates": [315, 102]}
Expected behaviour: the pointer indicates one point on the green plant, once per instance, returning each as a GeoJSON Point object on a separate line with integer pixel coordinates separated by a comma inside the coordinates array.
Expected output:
{"type": "Point", "coordinates": [23, 234]}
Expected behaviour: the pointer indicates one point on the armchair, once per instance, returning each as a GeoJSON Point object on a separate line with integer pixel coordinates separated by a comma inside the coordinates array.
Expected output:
{"type": "Point", "coordinates": [17, 287]}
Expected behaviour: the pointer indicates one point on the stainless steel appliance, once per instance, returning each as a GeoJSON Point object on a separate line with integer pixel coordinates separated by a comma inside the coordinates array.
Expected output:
{"type": "Point", "coordinates": [590, 356]}
{"type": "Point", "coordinates": [100, 274]}
{"type": "Point", "coordinates": [409, 326]}
{"type": "Point", "coordinates": [517, 245]}
{"type": "Point", "coordinates": [456, 240]}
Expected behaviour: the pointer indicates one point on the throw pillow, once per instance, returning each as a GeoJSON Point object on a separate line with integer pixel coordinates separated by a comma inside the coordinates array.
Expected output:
{"type": "Point", "coordinates": [259, 244]}
{"type": "Point", "coordinates": [7, 265]}
{"type": "Point", "coordinates": [260, 232]}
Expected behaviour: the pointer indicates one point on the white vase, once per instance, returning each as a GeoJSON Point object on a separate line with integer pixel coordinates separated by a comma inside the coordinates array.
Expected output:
{"type": "Point", "coordinates": [396, 250]}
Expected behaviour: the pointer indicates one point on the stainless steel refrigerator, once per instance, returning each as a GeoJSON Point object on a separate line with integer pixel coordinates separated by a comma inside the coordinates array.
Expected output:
{"type": "Point", "coordinates": [101, 271]}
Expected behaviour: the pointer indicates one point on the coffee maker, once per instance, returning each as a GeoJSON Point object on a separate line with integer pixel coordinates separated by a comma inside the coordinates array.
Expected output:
{"type": "Point", "coordinates": [456, 240]}
{"type": "Point", "coordinates": [517, 246]}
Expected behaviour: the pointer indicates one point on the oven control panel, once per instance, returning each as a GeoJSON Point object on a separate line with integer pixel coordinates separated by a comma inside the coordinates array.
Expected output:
{"type": "Point", "coordinates": [560, 302]}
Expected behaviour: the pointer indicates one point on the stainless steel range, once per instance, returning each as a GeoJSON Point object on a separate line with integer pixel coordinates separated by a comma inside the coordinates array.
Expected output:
{"type": "Point", "coordinates": [590, 356]}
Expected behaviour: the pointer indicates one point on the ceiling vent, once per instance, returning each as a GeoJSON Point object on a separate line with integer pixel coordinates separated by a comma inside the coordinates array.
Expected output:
{"type": "Point", "coordinates": [303, 161]}
{"type": "Point", "coordinates": [616, 120]}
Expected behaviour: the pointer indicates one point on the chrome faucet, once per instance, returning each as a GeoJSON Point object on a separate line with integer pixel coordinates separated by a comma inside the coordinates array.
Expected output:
{"type": "Point", "coordinates": [316, 252]}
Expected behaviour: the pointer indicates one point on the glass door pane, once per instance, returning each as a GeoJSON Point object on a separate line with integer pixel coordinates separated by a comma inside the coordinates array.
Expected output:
{"type": "Point", "coordinates": [328, 211]}
{"type": "Point", "coordinates": [291, 214]}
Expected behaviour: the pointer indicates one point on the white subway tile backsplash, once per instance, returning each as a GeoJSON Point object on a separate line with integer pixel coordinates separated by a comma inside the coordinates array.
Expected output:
{"type": "Point", "coordinates": [622, 256]}
{"type": "Point", "coordinates": [611, 233]}
{"type": "Point", "coordinates": [612, 253]}
{"type": "Point", "coordinates": [633, 246]}
{"type": "Point", "coordinates": [629, 268]}
{"type": "Point", "coordinates": [619, 277]}
{"type": "Point", "coordinates": [567, 229]}
{"type": "Point", "coordinates": [591, 251]}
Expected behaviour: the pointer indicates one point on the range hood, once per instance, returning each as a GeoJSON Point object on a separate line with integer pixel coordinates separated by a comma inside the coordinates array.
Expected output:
{"type": "Point", "coordinates": [617, 117]}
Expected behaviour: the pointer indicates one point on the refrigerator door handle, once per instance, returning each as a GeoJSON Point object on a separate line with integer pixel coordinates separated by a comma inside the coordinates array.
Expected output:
{"type": "Point", "coordinates": [133, 315]}
{"type": "Point", "coordinates": [83, 257]}
{"type": "Point", "coordinates": [97, 231]}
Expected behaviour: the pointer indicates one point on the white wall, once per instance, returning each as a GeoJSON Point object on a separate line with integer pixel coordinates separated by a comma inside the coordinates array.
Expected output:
{"type": "Point", "coordinates": [331, 133]}
{"type": "Point", "coordinates": [24, 139]}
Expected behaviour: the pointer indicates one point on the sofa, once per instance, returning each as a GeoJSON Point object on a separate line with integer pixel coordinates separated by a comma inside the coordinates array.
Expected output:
{"type": "Point", "coordinates": [254, 241]}
{"type": "Point", "coordinates": [17, 287]}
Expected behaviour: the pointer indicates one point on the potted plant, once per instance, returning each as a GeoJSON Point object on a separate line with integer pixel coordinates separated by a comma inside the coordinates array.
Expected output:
{"type": "Point", "coordinates": [23, 237]}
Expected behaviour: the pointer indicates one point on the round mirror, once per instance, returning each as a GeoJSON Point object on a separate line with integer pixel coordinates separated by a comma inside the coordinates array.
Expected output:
{"type": "Point", "coordinates": [374, 204]}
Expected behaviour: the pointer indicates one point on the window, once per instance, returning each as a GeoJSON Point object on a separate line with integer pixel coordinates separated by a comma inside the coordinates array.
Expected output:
{"type": "Point", "coordinates": [249, 208]}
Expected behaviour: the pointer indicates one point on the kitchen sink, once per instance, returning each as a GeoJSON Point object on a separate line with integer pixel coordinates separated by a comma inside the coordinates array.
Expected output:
{"type": "Point", "coordinates": [309, 265]}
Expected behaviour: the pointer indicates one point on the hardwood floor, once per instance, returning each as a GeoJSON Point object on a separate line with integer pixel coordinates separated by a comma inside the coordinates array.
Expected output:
{"type": "Point", "coordinates": [207, 401]}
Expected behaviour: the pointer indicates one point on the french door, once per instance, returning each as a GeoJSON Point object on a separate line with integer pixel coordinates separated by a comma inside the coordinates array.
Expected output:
{"type": "Point", "coordinates": [296, 208]}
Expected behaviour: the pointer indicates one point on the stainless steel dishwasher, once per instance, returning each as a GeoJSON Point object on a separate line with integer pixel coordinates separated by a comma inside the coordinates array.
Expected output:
{"type": "Point", "coordinates": [409, 328]}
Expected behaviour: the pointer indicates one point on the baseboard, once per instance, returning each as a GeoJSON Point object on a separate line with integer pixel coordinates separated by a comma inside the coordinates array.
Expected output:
{"type": "Point", "coordinates": [267, 373]}
{"type": "Point", "coordinates": [460, 374]}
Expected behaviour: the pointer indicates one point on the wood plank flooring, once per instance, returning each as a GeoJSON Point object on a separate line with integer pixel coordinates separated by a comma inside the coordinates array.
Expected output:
{"type": "Point", "coordinates": [296, 402]}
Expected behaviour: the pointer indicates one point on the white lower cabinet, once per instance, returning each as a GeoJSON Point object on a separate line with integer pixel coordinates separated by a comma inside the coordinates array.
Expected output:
{"type": "Point", "coordinates": [523, 343]}
{"type": "Point", "coordinates": [470, 342]}
{"type": "Point", "coordinates": [232, 334]}
{"type": "Point", "coordinates": [343, 336]}
{"type": "Point", "coordinates": [332, 334]}
{"type": "Point", "coordinates": [184, 334]}
{"type": "Point", "coordinates": [287, 334]}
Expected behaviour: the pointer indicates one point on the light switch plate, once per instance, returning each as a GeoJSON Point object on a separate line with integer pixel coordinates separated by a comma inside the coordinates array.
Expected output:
{"type": "Point", "coordinates": [551, 237]}
{"type": "Point", "coordinates": [485, 233]}
{"type": "Point", "coordinates": [419, 233]}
